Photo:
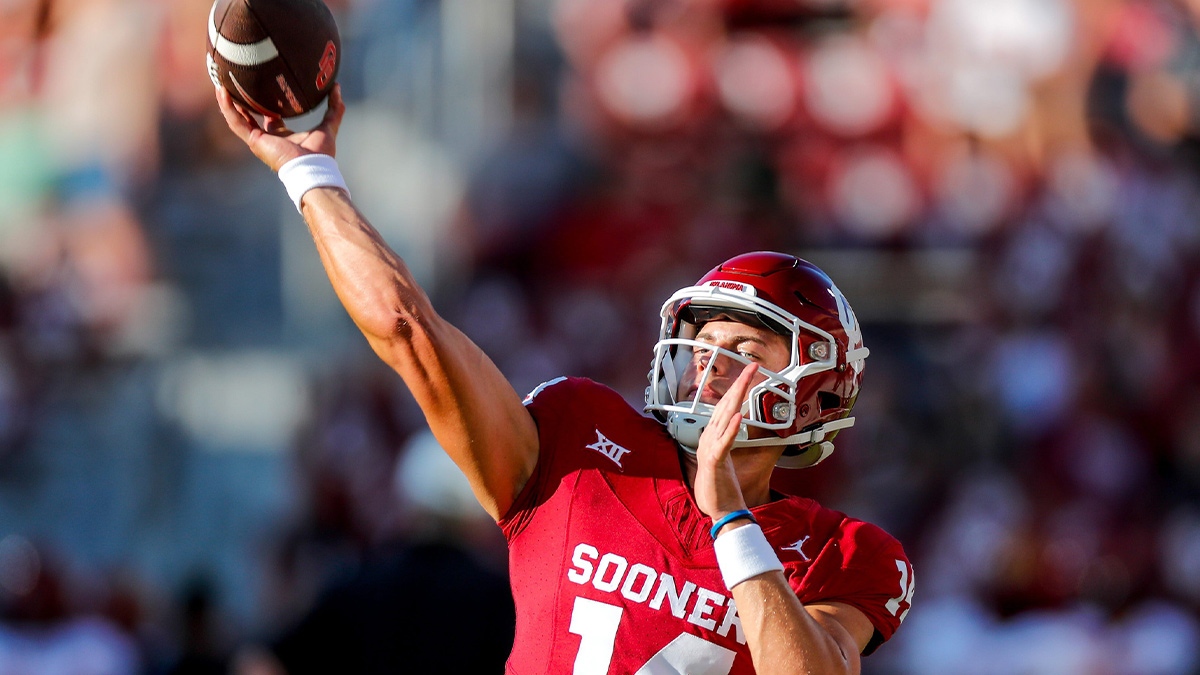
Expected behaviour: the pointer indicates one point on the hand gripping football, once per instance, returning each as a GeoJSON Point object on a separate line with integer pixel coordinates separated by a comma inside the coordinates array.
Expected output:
{"type": "Point", "coordinates": [276, 57]}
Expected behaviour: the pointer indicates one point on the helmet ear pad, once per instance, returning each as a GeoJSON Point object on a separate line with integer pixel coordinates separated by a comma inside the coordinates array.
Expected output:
{"type": "Point", "coordinates": [805, 410]}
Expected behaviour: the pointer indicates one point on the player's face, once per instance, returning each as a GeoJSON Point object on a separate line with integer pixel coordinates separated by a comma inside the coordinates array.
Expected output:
{"type": "Point", "coordinates": [767, 348]}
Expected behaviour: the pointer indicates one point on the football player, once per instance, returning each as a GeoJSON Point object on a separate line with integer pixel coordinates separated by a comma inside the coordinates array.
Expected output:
{"type": "Point", "coordinates": [639, 543]}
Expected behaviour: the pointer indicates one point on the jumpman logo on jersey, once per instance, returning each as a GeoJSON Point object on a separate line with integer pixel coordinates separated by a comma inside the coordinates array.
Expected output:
{"type": "Point", "coordinates": [797, 547]}
{"type": "Point", "coordinates": [608, 448]}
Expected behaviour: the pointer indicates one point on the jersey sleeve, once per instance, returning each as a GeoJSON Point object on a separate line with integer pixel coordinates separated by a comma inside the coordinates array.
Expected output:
{"type": "Point", "coordinates": [563, 410]}
{"type": "Point", "coordinates": [876, 578]}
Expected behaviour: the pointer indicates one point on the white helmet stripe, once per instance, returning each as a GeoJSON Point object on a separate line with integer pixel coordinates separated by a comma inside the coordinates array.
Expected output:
{"type": "Point", "coordinates": [855, 353]}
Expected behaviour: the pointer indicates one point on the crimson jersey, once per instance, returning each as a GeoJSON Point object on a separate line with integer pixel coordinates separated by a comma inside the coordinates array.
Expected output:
{"type": "Point", "coordinates": [612, 564]}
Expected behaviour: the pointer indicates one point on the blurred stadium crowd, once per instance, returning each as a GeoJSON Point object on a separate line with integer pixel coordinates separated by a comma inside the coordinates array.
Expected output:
{"type": "Point", "coordinates": [202, 470]}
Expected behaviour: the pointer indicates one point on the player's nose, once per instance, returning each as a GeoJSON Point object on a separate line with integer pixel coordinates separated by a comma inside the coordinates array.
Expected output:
{"type": "Point", "coordinates": [724, 365]}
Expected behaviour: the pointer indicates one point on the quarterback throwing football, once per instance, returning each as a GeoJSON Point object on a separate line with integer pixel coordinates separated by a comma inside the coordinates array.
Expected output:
{"type": "Point", "coordinates": [640, 544]}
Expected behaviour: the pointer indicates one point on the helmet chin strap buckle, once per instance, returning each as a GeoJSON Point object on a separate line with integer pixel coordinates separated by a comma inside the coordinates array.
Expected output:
{"type": "Point", "coordinates": [686, 429]}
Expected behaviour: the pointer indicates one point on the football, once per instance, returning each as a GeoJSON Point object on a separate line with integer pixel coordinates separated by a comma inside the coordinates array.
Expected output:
{"type": "Point", "coordinates": [276, 57]}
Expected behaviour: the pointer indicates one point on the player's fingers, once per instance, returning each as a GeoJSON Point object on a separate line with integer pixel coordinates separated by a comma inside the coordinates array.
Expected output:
{"type": "Point", "coordinates": [726, 418]}
{"type": "Point", "coordinates": [727, 415]}
{"type": "Point", "coordinates": [251, 121]}
{"type": "Point", "coordinates": [742, 384]}
{"type": "Point", "coordinates": [334, 111]}
{"type": "Point", "coordinates": [235, 118]}
{"type": "Point", "coordinates": [275, 126]}
{"type": "Point", "coordinates": [730, 432]}
{"type": "Point", "coordinates": [731, 401]}
{"type": "Point", "coordinates": [717, 440]}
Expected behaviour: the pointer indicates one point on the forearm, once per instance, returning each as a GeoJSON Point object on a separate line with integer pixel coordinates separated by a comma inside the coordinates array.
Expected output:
{"type": "Point", "coordinates": [783, 636]}
{"type": "Point", "coordinates": [371, 281]}
{"type": "Point", "coordinates": [470, 406]}
{"type": "Point", "coordinates": [388, 306]}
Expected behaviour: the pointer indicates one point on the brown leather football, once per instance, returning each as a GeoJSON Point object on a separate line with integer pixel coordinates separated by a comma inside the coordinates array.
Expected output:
{"type": "Point", "coordinates": [276, 57]}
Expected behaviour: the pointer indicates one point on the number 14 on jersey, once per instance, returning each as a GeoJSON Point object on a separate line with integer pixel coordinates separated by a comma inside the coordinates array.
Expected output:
{"type": "Point", "coordinates": [596, 624]}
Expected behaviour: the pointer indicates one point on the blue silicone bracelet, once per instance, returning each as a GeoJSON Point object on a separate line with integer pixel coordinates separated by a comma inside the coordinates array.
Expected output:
{"type": "Point", "coordinates": [730, 517]}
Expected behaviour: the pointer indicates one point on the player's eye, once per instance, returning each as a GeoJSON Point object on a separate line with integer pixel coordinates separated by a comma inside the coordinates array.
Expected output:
{"type": "Point", "coordinates": [748, 353]}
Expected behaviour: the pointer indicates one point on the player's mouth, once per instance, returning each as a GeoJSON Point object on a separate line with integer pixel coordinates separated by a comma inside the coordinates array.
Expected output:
{"type": "Point", "coordinates": [708, 395]}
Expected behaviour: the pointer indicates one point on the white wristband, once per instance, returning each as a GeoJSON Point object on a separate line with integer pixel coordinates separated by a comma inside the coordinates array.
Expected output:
{"type": "Point", "coordinates": [744, 552]}
{"type": "Point", "coordinates": [306, 172]}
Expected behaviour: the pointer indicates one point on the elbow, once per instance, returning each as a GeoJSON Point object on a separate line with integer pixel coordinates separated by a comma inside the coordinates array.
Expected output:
{"type": "Point", "coordinates": [403, 323]}
{"type": "Point", "coordinates": [410, 339]}
{"type": "Point", "coordinates": [402, 327]}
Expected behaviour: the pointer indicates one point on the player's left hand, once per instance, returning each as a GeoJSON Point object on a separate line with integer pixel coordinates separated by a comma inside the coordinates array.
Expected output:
{"type": "Point", "coordinates": [717, 489]}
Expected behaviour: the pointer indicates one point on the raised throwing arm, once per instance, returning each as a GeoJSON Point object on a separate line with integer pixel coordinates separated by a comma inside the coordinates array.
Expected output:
{"type": "Point", "coordinates": [470, 406]}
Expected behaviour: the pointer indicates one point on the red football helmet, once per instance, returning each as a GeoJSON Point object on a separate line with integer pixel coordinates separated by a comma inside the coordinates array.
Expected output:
{"type": "Point", "coordinates": [805, 404]}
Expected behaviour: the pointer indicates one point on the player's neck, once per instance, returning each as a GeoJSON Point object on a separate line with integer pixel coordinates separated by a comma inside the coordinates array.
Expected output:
{"type": "Point", "coordinates": [754, 479]}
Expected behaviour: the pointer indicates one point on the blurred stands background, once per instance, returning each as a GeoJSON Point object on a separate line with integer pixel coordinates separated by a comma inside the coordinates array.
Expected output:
{"type": "Point", "coordinates": [204, 470]}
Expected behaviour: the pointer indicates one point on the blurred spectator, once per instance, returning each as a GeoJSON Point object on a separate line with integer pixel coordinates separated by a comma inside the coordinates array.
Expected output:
{"type": "Point", "coordinates": [40, 631]}
{"type": "Point", "coordinates": [402, 607]}
{"type": "Point", "coordinates": [201, 649]}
